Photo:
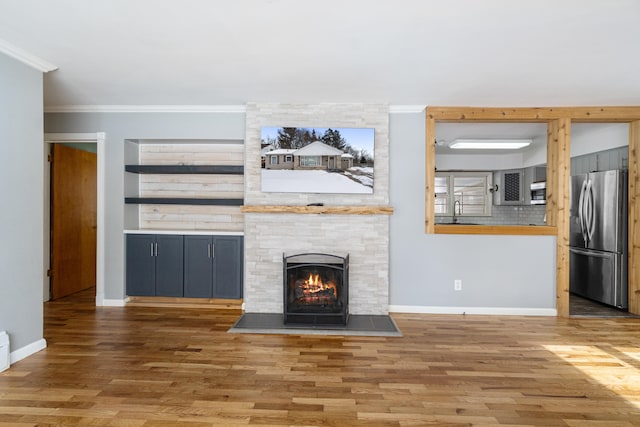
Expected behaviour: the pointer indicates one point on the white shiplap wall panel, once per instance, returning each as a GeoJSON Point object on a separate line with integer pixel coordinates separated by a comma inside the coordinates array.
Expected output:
{"type": "Point", "coordinates": [206, 186]}
{"type": "Point", "coordinates": [219, 186]}
{"type": "Point", "coordinates": [183, 217]}
{"type": "Point", "coordinates": [192, 154]}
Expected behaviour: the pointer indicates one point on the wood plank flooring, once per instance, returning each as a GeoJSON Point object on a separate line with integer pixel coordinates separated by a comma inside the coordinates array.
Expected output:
{"type": "Point", "coordinates": [168, 366]}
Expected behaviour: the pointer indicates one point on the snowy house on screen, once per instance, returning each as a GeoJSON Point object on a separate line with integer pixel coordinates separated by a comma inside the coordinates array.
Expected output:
{"type": "Point", "coordinates": [316, 155]}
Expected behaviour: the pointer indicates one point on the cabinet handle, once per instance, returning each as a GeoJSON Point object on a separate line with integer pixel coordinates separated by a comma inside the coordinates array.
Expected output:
{"type": "Point", "coordinates": [156, 248]}
{"type": "Point", "coordinates": [151, 245]}
{"type": "Point", "coordinates": [208, 250]}
{"type": "Point", "coordinates": [213, 250]}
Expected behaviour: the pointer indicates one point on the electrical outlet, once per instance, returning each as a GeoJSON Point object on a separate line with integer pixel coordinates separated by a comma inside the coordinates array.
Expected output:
{"type": "Point", "coordinates": [457, 285]}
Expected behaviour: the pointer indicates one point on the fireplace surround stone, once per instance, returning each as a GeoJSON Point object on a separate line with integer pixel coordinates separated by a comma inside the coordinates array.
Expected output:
{"type": "Point", "coordinates": [364, 237]}
{"type": "Point", "coordinates": [268, 235]}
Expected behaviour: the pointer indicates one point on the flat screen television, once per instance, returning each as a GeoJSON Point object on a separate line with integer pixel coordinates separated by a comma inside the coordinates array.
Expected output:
{"type": "Point", "coordinates": [317, 160]}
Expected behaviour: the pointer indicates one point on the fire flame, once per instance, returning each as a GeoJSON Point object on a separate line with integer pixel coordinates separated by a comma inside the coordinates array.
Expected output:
{"type": "Point", "coordinates": [314, 285]}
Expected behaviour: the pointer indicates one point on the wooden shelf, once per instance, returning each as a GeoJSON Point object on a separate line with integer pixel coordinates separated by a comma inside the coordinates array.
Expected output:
{"type": "Point", "coordinates": [185, 169]}
{"type": "Point", "coordinates": [182, 201]}
{"type": "Point", "coordinates": [525, 230]}
{"type": "Point", "coordinates": [329, 210]}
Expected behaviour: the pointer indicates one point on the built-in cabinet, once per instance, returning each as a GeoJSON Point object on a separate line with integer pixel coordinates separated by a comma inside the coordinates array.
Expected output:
{"type": "Point", "coordinates": [195, 266]}
{"type": "Point", "coordinates": [154, 265]}
{"type": "Point", "coordinates": [213, 266]}
{"type": "Point", "coordinates": [183, 223]}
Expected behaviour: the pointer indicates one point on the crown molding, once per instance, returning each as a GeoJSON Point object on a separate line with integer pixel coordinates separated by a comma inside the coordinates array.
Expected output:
{"type": "Point", "coordinates": [406, 109]}
{"type": "Point", "coordinates": [145, 109]}
{"type": "Point", "coordinates": [393, 109]}
{"type": "Point", "coordinates": [25, 57]}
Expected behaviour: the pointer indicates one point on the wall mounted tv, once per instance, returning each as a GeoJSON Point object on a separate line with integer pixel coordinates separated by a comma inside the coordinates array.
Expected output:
{"type": "Point", "coordinates": [317, 160]}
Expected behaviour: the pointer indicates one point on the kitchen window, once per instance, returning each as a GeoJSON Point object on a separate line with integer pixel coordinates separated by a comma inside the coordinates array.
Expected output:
{"type": "Point", "coordinates": [466, 192]}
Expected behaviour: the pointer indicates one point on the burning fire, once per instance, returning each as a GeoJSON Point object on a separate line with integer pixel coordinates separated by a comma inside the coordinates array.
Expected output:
{"type": "Point", "coordinates": [314, 285]}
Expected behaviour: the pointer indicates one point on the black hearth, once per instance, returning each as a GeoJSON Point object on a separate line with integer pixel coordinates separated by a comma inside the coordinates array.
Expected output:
{"type": "Point", "coordinates": [316, 289]}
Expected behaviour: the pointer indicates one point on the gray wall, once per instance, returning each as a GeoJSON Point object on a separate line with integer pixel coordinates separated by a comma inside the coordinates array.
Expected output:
{"type": "Point", "coordinates": [21, 216]}
{"type": "Point", "coordinates": [496, 271]}
{"type": "Point", "coordinates": [119, 127]}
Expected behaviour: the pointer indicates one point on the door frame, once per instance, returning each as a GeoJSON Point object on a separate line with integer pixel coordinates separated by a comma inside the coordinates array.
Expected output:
{"type": "Point", "coordinates": [91, 138]}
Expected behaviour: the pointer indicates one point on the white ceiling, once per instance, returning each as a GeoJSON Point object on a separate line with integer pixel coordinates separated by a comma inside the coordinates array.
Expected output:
{"type": "Point", "coordinates": [403, 52]}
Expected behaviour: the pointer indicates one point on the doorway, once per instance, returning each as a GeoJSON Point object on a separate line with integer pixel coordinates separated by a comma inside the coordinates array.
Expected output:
{"type": "Point", "coordinates": [98, 140]}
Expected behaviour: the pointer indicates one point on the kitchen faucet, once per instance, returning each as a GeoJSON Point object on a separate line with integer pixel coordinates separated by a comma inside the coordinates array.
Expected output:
{"type": "Point", "coordinates": [459, 203]}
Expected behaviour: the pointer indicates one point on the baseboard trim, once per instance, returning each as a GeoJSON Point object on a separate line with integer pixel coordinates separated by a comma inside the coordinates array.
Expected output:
{"type": "Point", "coordinates": [113, 302]}
{"type": "Point", "coordinates": [27, 350]}
{"type": "Point", "coordinates": [493, 311]}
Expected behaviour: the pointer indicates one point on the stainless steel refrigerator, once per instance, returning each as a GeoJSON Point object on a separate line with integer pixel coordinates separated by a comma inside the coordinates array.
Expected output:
{"type": "Point", "coordinates": [598, 237]}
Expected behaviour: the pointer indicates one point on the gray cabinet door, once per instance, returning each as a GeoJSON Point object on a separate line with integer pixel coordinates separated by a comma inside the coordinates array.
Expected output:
{"type": "Point", "coordinates": [169, 265]}
{"type": "Point", "coordinates": [198, 266]}
{"type": "Point", "coordinates": [141, 265]}
{"type": "Point", "coordinates": [227, 266]}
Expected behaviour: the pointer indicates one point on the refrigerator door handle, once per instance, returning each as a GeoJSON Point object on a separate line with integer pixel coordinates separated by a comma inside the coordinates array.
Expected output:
{"type": "Point", "coordinates": [590, 218]}
{"type": "Point", "coordinates": [581, 211]}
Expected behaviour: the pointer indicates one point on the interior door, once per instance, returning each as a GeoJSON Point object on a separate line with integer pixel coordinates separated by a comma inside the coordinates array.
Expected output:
{"type": "Point", "coordinates": [73, 220]}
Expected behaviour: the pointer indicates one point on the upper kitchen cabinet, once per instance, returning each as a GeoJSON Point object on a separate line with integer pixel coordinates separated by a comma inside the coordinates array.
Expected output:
{"type": "Point", "coordinates": [509, 187]}
{"type": "Point", "coordinates": [513, 187]}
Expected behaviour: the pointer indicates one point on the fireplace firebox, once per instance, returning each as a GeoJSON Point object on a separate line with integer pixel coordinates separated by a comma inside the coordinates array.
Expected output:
{"type": "Point", "coordinates": [316, 289]}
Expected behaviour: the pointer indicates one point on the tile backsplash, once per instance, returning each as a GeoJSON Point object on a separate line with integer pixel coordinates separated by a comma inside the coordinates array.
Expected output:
{"type": "Point", "coordinates": [504, 215]}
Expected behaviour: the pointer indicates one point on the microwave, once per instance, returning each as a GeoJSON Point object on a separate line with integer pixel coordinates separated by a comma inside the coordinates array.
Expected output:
{"type": "Point", "coordinates": [539, 193]}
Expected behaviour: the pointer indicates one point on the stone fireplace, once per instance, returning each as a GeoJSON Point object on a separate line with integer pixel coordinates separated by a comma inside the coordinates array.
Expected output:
{"type": "Point", "coordinates": [283, 223]}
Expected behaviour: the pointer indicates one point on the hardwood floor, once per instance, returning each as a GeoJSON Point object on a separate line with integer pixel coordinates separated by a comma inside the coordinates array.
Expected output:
{"type": "Point", "coordinates": [166, 366]}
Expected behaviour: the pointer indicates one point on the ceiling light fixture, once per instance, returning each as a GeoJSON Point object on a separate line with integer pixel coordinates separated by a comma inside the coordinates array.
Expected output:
{"type": "Point", "coordinates": [489, 144]}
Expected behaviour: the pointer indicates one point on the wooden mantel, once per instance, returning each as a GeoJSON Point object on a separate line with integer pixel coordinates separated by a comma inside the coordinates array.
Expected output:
{"type": "Point", "coordinates": [328, 210]}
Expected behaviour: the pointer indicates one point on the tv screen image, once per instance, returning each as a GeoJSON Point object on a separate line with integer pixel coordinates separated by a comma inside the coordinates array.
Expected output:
{"type": "Point", "coordinates": [317, 160]}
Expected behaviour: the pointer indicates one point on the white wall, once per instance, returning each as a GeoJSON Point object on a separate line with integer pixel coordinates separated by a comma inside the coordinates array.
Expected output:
{"type": "Point", "coordinates": [593, 137]}
{"type": "Point", "coordinates": [118, 128]}
{"type": "Point", "coordinates": [500, 274]}
{"type": "Point", "coordinates": [21, 216]}
{"type": "Point", "coordinates": [478, 162]}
